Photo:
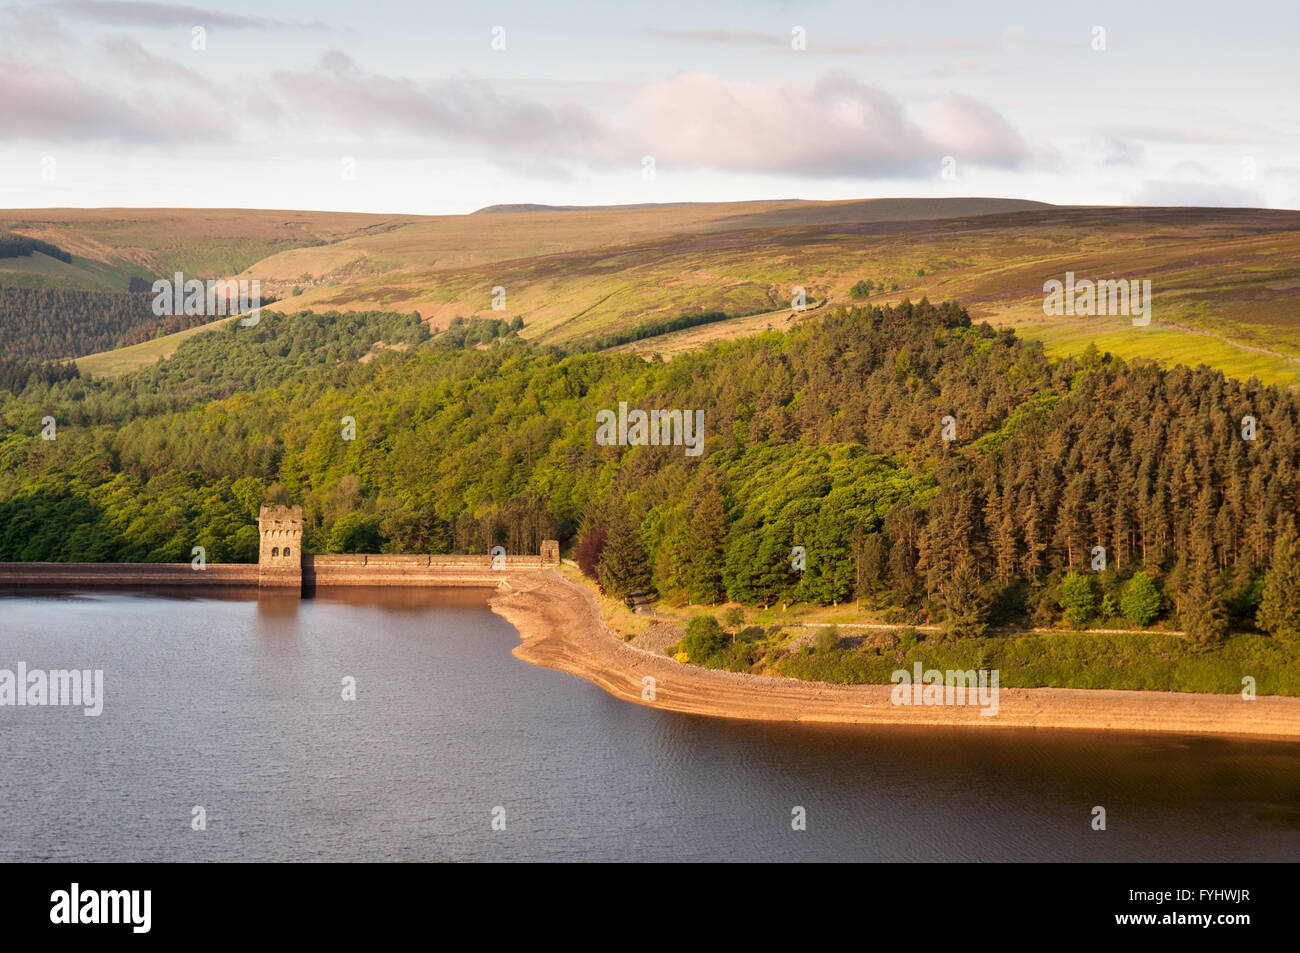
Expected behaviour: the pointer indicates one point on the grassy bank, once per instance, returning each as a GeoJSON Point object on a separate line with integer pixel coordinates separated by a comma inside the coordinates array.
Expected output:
{"type": "Point", "coordinates": [1164, 663]}
{"type": "Point", "coordinates": [1135, 661]}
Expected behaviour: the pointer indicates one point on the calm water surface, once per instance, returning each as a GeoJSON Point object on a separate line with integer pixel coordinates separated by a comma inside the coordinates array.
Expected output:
{"type": "Point", "coordinates": [235, 704]}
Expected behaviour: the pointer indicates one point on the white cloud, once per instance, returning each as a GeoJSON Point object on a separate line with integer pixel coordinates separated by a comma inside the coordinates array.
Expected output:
{"type": "Point", "coordinates": [836, 126]}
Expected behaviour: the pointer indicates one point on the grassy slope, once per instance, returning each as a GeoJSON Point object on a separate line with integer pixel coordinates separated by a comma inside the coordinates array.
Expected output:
{"type": "Point", "coordinates": [203, 243]}
{"type": "Point", "coordinates": [447, 265]}
{"type": "Point", "coordinates": [1225, 282]}
{"type": "Point", "coordinates": [42, 271]}
{"type": "Point", "coordinates": [1229, 275]}
{"type": "Point", "coordinates": [125, 359]}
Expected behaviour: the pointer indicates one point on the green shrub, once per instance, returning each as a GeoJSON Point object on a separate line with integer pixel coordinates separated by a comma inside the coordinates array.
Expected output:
{"type": "Point", "coordinates": [1077, 596]}
{"type": "Point", "coordinates": [1141, 601]}
{"type": "Point", "coordinates": [704, 639]}
{"type": "Point", "coordinates": [826, 640]}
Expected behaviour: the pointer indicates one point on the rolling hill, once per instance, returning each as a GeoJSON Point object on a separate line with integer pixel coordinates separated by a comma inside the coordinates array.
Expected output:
{"type": "Point", "coordinates": [1224, 281]}
{"type": "Point", "coordinates": [111, 245]}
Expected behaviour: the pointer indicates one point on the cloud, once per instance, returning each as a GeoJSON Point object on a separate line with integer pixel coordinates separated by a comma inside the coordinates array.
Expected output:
{"type": "Point", "coordinates": [1191, 169]}
{"type": "Point", "coordinates": [835, 127]}
{"type": "Point", "coordinates": [142, 13]}
{"type": "Point", "coordinates": [855, 49]}
{"type": "Point", "coordinates": [1121, 152]}
{"type": "Point", "coordinates": [958, 44]}
{"type": "Point", "coordinates": [1225, 132]}
{"type": "Point", "coordinates": [976, 133]}
{"type": "Point", "coordinates": [815, 42]}
{"type": "Point", "coordinates": [55, 106]}
{"type": "Point", "coordinates": [733, 37]}
{"type": "Point", "coordinates": [23, 29]}
{"type": "Point", "coordinates": [461, 109]}
{"type": "Point", "coordinates": [132, 58]}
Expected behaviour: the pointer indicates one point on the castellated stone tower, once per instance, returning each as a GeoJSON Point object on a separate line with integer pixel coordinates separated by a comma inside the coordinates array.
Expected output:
{"type": "Point", "coordinates": [550, 554]}
{"type": "Point", "coordinates": [279, 559]}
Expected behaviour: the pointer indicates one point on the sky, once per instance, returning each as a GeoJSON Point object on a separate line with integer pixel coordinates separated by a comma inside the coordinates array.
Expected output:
{"type": "Point", "coordinates": [437, 108]}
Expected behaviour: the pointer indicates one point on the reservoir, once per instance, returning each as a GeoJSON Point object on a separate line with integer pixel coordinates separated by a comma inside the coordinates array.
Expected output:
{"type": "Point", "coordinates": [453, 749]}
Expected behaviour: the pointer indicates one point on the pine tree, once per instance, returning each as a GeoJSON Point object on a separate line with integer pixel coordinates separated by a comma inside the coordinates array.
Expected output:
{"type": "Point", "coordinates": [1279, 611]}
{"type": "Point", "coordinates": [1203, 616]}
{"type": "Point", "coordinates": [1034, 545]}
{"type": "Point", "coordinates": [964, 600]}
{"type": "Point", "coordinates": [902, 525]}
{"type": "Point", "coordinates": [705, 539]}
{"type": "Point", "coordinates": [623, 568]}
{"type": "Point", "coordinates": [1202, 612]}
{"type": "Point", "coordinates": [868, 561]}
{"type": "Point", "coordinates": [1006, 546]}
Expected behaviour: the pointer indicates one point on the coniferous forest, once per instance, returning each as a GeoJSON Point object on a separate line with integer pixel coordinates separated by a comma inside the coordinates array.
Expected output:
{"type": "Point", "coordinates": [53, 323]}
{"type": "Point", "coordinates": [1070, 491]}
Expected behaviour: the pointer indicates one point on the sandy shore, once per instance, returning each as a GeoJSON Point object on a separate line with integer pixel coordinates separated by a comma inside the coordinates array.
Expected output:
{"type": "Point", "coordinates": [561, 627]}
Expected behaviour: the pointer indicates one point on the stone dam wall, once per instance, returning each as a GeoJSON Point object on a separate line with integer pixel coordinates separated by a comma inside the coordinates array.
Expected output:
{"type": "Point", "coordinates": [127, 574]}
{"type": "Point", "coordinates": [281, 565]}
{"type": "Point", "coordinates": [458, 571]}
{"type": "Point", "coordinates": [317, 571]}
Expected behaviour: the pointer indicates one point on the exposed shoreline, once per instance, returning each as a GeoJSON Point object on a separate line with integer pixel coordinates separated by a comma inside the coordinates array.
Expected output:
{"type": "Point", "coordinates": [561, 627]}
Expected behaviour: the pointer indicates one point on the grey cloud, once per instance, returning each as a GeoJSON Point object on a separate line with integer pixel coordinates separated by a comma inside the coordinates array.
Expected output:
{"type": "Point", "coordinates": [134, 59]}
{"type": "Point", "coordinates": [1121, 152]}
{"type": "Point", "coordinates": [144, 13]}
{"type": "Point", "coordinates": [1190, 169]}
{"type": "Point", "coordinates": [958, 44]}
{"type": "Point", "coordinates": [23, 28]}
{"type": "Point", "coordinates": [818, 42]}
{"type": "Point", "coordinates": [460, 109]}
{"type": "Point", "coordinates": [834, 48]}
{"type": "Point", "coordinates": [1222, 133]}
{"type": "Point", "coordinates": [735, 37]}
{"type": "Point", "coordinates": [55, 106]}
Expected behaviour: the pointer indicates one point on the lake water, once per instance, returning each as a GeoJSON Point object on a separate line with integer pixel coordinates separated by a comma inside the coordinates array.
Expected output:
{"type": "Point", "coordinates": [234, 704]}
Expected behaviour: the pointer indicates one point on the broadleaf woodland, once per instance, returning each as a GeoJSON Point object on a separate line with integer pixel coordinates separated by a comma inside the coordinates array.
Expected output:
{"type": "Point", "coordinates": [826, 436]}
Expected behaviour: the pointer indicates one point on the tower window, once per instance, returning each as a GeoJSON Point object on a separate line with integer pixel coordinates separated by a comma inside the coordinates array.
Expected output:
{"type": "Point", "coordinates": [275, 550]}
{"type": "Point", "coordinates": [286, 550]}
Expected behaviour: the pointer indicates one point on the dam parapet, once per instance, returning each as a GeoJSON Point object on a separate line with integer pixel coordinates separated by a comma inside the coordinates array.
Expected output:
{"type": "Point", "coordinates": [394, 570]}
{"type": "Point", "coordinates": [36, 575]}
{"type": "Point", "coordinates": [283, 567]}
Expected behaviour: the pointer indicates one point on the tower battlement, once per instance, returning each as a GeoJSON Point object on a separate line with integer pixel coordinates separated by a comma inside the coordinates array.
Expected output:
{"type": "Point", "coordinates": [279, 556]}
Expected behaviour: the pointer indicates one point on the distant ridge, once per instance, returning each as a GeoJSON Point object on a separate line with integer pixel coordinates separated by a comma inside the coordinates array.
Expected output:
{"type": "Point", "coordinates": [882, 209]}
{"type": "Point", "coordinates": [532, 207]}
